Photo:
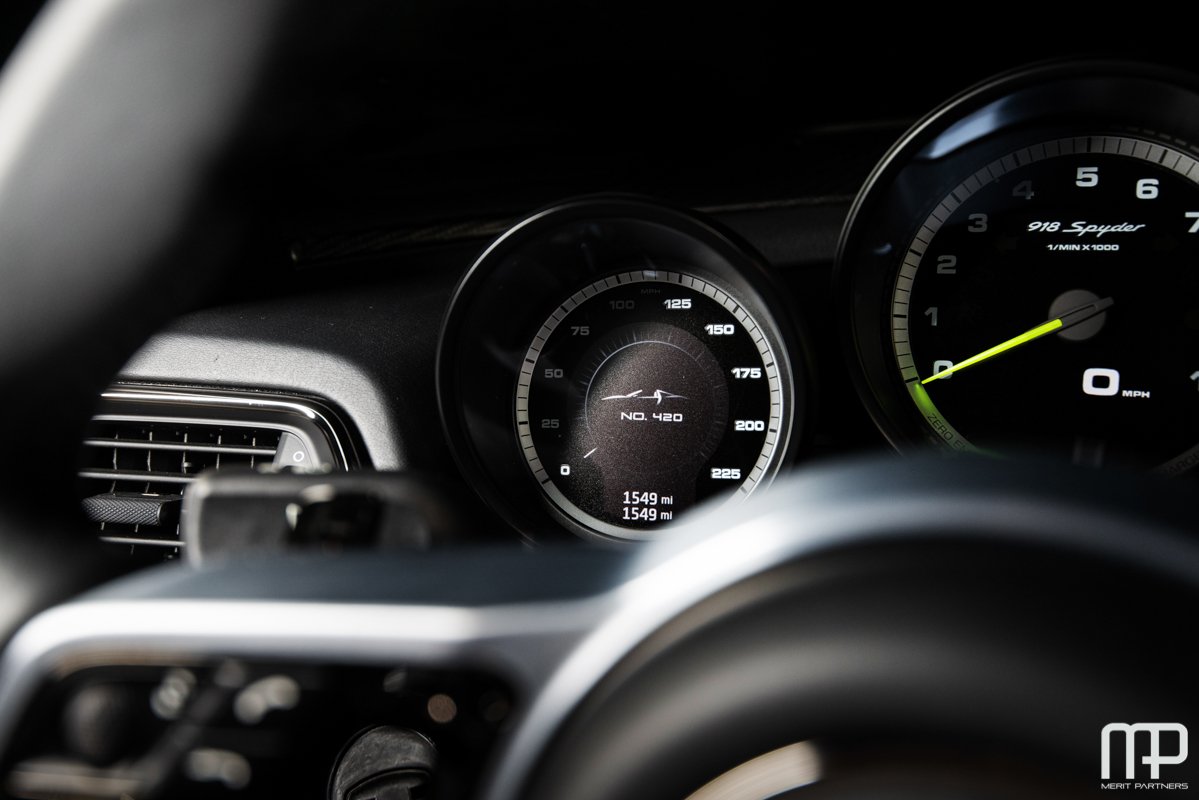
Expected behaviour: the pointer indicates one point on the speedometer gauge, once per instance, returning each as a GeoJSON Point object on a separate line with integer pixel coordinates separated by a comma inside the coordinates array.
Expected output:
{"type": "Point", "coordinates": [610, 364]}
{"type": "Point", "coordinates": [1021, 271]}
{"type": "Point", "coordinates": [647, 392]}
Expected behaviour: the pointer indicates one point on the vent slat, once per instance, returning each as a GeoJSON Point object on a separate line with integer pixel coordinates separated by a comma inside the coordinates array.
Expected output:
{"type": "Point", "coordinates": [134, 444]}
{"type": "Point", "coordinates": [138, 476]}
{"type": "Point", "coordinates": [137, 540]}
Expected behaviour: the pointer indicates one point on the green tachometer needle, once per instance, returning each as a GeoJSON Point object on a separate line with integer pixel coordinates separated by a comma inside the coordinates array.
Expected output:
{"type": "Point", "coordinates": [1059, 323]}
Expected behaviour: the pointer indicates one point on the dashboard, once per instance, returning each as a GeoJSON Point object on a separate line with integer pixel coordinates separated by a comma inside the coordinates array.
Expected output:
{"type": "Point", "coordinates": [599, 340]}
{"type": "Point", "coordinates": [497, 283]}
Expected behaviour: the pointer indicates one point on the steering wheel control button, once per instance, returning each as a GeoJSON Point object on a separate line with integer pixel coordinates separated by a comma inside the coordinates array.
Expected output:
{"type": "Point", "coordinates": [101, 721]}
{"type": "Point", "coordinates": [385, 763]}
{"type": "Point", "coordinates": [272, 693]}
{"type": "Point", "coordinates": [210, 765]}
{"type": "Point", "coordinates": [172, 695]}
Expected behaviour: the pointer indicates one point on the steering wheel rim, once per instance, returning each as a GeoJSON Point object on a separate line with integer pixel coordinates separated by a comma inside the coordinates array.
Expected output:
{"type": "Point", "coordinates": [120, 125]}
{"type": "Point", "coordinates": [702, 671]}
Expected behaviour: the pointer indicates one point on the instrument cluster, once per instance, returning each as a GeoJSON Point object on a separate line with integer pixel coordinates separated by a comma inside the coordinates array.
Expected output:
{"type": "Point", "coordinates": [1017, 275]}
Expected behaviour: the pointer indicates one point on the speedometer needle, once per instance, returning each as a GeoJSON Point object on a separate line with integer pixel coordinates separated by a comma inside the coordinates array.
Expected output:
{"type": "Point", "coordinates": [1058, 323]}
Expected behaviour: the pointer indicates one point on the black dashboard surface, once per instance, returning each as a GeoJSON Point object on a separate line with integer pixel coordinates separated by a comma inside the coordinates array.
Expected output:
{"type": "Point", "coordinates": [408, 152]}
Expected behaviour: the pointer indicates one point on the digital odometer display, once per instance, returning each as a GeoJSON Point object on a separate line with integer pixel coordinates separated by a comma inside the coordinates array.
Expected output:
{"type": "Point", "coordinates": [645, 393]}
{"type": "Point", "coordinates": [1051, 302]}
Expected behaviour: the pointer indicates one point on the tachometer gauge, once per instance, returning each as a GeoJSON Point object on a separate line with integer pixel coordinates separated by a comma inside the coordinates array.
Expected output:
{"type": "Point", "coordinates": [609, 364]}
{"type": "Point", "coordinates": [1021, 271]}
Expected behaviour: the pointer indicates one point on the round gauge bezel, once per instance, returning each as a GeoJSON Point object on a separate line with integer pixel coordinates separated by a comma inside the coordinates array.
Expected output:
{"type": "Point", "coordinates": [998, 117]}
{"type": "Point", "coordinates": [524, 276]}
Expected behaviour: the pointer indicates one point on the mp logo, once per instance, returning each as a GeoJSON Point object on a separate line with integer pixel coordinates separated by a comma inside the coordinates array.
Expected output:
{"type": "Point", "coordinates": [1154, 759]}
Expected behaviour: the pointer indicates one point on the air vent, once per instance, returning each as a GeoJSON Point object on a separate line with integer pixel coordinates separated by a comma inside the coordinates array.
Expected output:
{"type": "Point", "coordinates": [147, 445]}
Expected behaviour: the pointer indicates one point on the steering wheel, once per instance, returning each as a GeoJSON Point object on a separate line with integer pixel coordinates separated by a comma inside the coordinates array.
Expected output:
{"type": "Point", "coordinates": [885, 629]}
{"type": "Point", "coordinates": [928, 629]}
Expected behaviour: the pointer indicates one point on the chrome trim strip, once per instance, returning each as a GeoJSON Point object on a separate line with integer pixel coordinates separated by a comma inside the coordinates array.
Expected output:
{"type": "Point", "coordinates": [134, 476]}
{"type": "Point", "coordinates": [143, 542]}
{"type": "Point", "coordinates": [176, 447]}
{"type": "Point", "coordinates": [769, 775]}
{"type": "Point", "coordinates": [184, 358]}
